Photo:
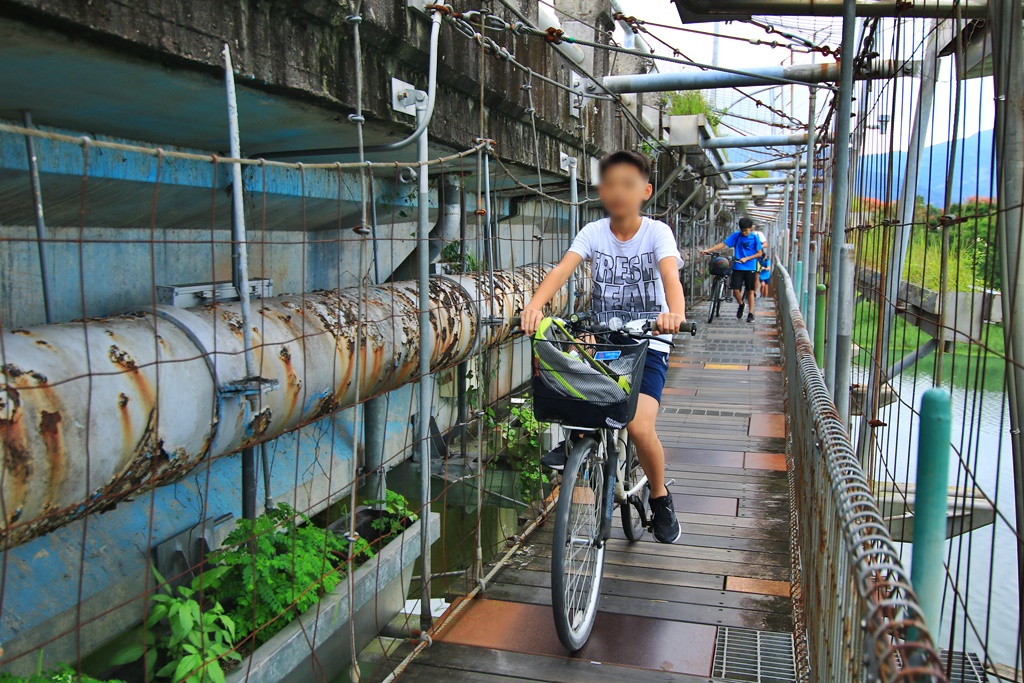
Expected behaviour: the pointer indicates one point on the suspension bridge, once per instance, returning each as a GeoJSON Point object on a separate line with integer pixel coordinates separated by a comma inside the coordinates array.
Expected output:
{"type": "Point", "coordinates": [264, 415]}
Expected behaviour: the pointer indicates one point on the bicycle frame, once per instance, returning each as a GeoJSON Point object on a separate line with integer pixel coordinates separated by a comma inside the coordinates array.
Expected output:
{"type": "Point", "coordinates": [609, 452]}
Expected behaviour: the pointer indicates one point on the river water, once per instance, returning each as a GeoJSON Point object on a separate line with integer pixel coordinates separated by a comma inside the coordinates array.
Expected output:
{"type": "Point", "coordinates": [982, 563]}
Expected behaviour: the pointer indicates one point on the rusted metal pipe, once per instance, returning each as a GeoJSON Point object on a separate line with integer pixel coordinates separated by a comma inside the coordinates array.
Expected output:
{"type": "Point", "coordinates": [79, 402]}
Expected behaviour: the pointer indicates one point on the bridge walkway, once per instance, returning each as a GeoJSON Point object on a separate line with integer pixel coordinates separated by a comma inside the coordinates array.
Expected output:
{"type": "Point", "coordinates": [717, 604]}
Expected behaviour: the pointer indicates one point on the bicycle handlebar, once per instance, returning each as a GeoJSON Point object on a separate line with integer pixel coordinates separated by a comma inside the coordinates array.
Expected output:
{"type": "Point", "coordinates": [601, 327]}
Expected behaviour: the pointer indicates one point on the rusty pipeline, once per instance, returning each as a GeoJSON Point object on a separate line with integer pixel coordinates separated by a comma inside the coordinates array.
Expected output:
{"type": "Point", "coordinates": [94, 412]}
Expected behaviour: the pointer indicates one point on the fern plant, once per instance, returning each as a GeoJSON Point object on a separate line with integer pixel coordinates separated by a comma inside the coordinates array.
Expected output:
{"type": "Point", "coordinates": [279, 569]}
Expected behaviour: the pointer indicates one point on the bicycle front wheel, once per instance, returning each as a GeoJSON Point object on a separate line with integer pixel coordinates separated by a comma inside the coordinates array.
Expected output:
{"type": "Point", "coordinates": [577, 555]}
{"type": "Point", "coordinates": [713, 309]}
{"type": "Point", "coordinates": [720, 297]}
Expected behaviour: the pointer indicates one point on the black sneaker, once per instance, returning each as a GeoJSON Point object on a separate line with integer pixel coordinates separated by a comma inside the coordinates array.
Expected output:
{"type": "Point", "coordinates": [739, 312]}
{"type": "Point", "coordinates": [663, 519]}
{"type": "Point", "coordinates": [556, 457]}
{"type": "Point", "coordinates": [750, 317]}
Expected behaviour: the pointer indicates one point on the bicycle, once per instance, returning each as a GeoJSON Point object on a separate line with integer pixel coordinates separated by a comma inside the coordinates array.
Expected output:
{"type": "Point", "coordinates": [720, 268]}
{"type": "Point", "coordinates": [602, 470]}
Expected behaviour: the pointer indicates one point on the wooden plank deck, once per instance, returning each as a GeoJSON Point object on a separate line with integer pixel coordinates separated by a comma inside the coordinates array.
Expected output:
{"type": "Point", "coordinates": [722, 424]}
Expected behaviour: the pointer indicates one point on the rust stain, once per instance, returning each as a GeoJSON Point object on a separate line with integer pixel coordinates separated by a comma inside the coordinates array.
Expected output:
{"type": "Point", "coordinates": [258, 427]}
{"type": "Point", "coordinates": [25, 333]}
{"type": "Point", "coordinates": [16, 455]}
{"type": "Point", "coordinates": [56, 453]}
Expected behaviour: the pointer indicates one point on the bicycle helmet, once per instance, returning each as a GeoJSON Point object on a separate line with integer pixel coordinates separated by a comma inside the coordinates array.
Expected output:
{"type": "Point", "coordinates": [720, 265]}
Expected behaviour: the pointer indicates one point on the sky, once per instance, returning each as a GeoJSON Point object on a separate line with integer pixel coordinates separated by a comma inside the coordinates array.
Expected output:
{"type": "Point", "coordinates": [977, 110]}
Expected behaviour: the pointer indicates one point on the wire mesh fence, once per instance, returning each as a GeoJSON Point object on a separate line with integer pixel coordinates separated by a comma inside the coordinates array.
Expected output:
{"type": "Point", "coordinates": [923, 219]}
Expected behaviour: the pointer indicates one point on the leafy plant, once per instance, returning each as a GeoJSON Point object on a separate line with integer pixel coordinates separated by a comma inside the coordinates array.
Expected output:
{"type": "Point", "coordinates": [396, 514]}
{"type": "Point", "coordinates": [527, 441]}
{"type": "Point", "coordinates": [691, 102]}
{"type": "Point", "coordinates": [198, 638]}
{"type": "Point", "coordinates": [62, 674]}
{"type": "Point", "coordinates": [278, 569]}
{"type": "Point", "coordinates": [452, 254]}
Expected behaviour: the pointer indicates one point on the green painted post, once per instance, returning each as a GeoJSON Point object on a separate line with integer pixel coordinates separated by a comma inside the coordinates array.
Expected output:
{"type": "Point", "coordinates": [799, 278]}
{"type": "Point", "coordinates": [819, 326]}
{"type": "Point", "coordinates": [927, 572]}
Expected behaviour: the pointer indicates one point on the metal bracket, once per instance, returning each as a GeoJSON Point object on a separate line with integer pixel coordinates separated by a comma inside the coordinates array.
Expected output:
{"type": "Point", "coordinates": [403, 97]}
{"type": "Point", "coordinates": [420, 5]}
{"type": "Point", "coordinates": [576, 99]}
{"type": "Point", "coordinates": [565, 162]}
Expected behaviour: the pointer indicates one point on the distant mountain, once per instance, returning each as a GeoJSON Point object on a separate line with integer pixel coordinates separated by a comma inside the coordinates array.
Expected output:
{"type": "Point", "coordinates": [973, 156]}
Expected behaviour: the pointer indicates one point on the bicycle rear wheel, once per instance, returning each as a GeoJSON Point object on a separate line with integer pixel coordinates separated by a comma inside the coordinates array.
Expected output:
{"type": "Point", "coordinates": [634, 510]}
{"type": "Point", "coordinates": [577, 555]}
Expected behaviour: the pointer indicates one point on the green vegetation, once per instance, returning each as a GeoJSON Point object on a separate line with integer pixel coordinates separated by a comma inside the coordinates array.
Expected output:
{"type": "Point", "coordinates": [524, 447]}
{"type": "Point", "coordinates": [270, 570]}
{"type": "Point", "coordinates": [279, 569]}
{"type": "Point", "coordinates": [63, 674]}
{"type": "Point", "coordinates": [452, 255]}
{"type": "Point", "coordinates": [197, 638]}
{"type": "Point", "coordinates": [691, 102]}
{"type": "Point", "coordinates": [973, 258]}
{"type": "Point", "coordinates": [396, 514]}
{"type": "Point", "coordinates": [962, 366]}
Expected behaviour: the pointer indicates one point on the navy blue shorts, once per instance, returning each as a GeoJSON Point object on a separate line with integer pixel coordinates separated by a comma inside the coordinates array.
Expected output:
{"type": "Point", "coordinates": [655, 367]}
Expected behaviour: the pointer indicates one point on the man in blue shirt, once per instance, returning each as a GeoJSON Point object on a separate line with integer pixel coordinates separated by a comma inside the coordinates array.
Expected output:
{"type": "Point", "coordinates": [747, 248]}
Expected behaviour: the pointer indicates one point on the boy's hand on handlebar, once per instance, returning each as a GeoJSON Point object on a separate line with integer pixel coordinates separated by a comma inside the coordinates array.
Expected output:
{"type": "Point", "coordinates": [530, 319]}
{"type": "Point", "coordinates": [669, 323]}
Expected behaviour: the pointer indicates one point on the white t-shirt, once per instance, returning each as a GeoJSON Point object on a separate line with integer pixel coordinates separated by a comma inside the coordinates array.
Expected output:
{"type": "Point", "coordinates": [627, 275]}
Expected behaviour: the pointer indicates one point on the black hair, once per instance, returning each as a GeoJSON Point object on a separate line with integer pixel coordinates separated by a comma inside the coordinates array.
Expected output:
{"type": "Point", "coordinates": [746, 222]}
{"type": "Point", "coordinates": [626, 156]}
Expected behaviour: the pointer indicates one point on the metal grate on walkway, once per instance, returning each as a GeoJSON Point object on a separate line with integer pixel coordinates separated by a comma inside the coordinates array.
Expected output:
{"type": "Point", "coordinates": [754, 656]}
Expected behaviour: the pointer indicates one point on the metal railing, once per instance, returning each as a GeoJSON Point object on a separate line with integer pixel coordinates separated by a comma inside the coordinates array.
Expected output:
{"type": "Point", "coordinates": [856, 614]}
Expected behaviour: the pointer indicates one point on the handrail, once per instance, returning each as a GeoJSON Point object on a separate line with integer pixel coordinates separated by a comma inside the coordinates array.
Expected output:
{"type": "Point", "coordinates": [857, 617]}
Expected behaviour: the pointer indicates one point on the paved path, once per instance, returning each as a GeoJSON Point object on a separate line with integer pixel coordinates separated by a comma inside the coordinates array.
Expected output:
{"type": "Point", "coordinates": [676, 614]}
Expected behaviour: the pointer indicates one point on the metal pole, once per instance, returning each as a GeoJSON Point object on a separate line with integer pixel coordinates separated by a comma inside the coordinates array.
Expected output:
{"type": "Point", "coordinates": [805, 238]}
{"type": "Point", "coordinates": [927, 571]}
{"type": "Point", "coordinates": [574, 199]}
{"type": "Point", "coordinates": [811, 74]}
{"type": "Point", "coordinates": [819, 325]}
{"type": "Point", "coordinates": [901, 237]}
{"type": "Point", "coordinates": [375, 420]}
{"type": "Point", "coordinates": [784, 220]}
{"type": "Point", "coordinates": [840, 182]}
{"type": "Point", "coordinates": [41, 236]}
{"type": "Point", "coordinates": [240, 276]}
{"type": "Point", "coordinates": [844, 332]}
{"type": "Point", "coordinates": [426, 351]}
{"type": "Point", "coordinates": [809, 309]}
{"type": "Point", "coordinates": [1007, 49]}
{"type": "Point", "coordinates": [794, 212]}
{"type": "Point", "coordinates": [755, 141]}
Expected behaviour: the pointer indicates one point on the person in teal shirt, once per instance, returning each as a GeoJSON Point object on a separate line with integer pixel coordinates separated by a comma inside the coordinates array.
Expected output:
{"type": "Point", "coordinates": [747, 249]}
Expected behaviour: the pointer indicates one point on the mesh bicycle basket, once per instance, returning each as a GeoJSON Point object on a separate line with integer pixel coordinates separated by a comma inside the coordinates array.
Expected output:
{"type": "Point", "coordinates": [583, 384]}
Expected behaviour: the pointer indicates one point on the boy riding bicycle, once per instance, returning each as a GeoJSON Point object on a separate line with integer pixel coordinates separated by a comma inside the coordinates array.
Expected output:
{"type": "Point", "coordinates": [635, 268]}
